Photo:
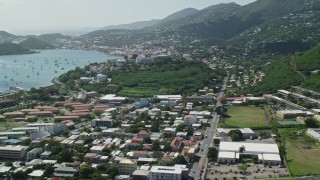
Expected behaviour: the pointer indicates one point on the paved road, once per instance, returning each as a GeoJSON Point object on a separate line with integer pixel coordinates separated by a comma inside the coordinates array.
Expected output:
{"type": "Point", "coordinates": [198, 170]}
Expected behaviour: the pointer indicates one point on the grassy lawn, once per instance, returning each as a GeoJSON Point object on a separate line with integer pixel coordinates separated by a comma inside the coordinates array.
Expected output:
{"type": "Point", "coordinates": [8, 125]}
{"type": "Point", "coordinates": [301, 161]}
{"type": "Point", "coordinates": [244, 116]}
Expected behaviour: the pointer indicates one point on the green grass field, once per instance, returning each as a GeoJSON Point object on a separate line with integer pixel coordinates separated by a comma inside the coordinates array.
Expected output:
{"type": "Point", "coordinates": [244, 116]}
{"type": "Point", "coordinates": [8, 125]}
{"type": "Point", "coordinates": [301, 161]}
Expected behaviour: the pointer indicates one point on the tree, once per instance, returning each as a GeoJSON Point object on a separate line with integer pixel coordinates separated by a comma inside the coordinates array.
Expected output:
{"type": "Point", "coordinates": [48, 170]}
{"type": "Point", "coordinates": [311, 123]}
{"type": "Point", "coordinates": [167, 147]}
{"type": "Point", "coordinates": [189, 130]}
{"type": "Point", "coordinates": [113, 171]}
{"type": "Point", "coordinates": [65, 156]}
{"type": "Point", "coordinates": [147, 140]}
{"type": "Point", "coordinates": [65, 133]}
{"type": "Point", "coordinates": [86, 171]}
{"type": "Point", "coordinates": [212, 153]}
{"type": "Point", "coordinates": [156, 145]}
{"type": "Point", "coordinates": [282, 150]}
{"type": "Point", "coordinates": [180, 127]}
{"type": "Point", "coordinates": [236, 135]}
{"type": "Point", "coordinates": [242, 149]}
{"type": "Point", "coordinates": [216, 141]}
{"type": "Point", "coordinates": [8, 163]}
{"type": "Point", "coordinates": [221, 110]}
{"type": "Point", "coordinates": [180, 160]}
{"type": "Point", "coordinates": [255, 159]}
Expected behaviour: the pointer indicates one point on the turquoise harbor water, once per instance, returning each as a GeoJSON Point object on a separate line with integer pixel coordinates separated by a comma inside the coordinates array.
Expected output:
{"type": "Point", "coordinates": [37, 70]}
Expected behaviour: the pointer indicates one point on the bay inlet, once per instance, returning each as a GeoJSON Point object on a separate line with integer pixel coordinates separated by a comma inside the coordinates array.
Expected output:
{"type": "Point", "coordinates": [37, 70]}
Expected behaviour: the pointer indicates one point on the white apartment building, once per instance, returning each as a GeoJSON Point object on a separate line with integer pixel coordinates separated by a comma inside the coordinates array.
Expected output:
{"type": "Point", "coordinates": [26, 129]}
{"type": "Point", "coordinates": [12, 152]}
{"type": "Point", "coordinates": [127, 166]}
{"type": "Point", "coordinates": [53, 129]}
{"type": "Point", "coordinates": [34, 154]}
{"type": "Point", "coordinates": [166, 173]}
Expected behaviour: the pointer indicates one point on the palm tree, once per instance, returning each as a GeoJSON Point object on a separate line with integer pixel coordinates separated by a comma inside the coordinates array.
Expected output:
{"type": "Point", "coordinates": [242, 149]}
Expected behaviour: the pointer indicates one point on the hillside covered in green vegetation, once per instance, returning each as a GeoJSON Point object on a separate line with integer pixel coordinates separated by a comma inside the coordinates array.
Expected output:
{"type": "Point", "coordinates": [167, 78]}
{"type": "Point", "coordinates": [13, 49]}
{"type": "Point", "coordinates": [302, 69]}
{"type": "Point", "coordinates": [34, 43]}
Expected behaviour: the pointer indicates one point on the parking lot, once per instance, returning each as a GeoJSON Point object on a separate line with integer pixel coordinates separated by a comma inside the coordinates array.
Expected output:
{"type": "Point", "coordinates": [253, 172]}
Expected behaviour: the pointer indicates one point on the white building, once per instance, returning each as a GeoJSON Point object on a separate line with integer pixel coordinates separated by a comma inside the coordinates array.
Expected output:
{"type": "Point", "coordinates": [229, 152]}
{"type": "Point", "coordinates": [26, 129]}
{"type": "Point", "coordinates": [53, 129]}
{"type": "Point", "coordinates": [165, 173]}
{"type": "Point", "coordinates": [13, 152]}
{"type": "Point", "coordinates": [112, 98]}
{"type": "Point", "coordinates": [101, 78]}
{"type": "Point", "coordinates": [104, 122]}
{"type": "Point", "coordinates": [246, 132]}
{"type": "Point", "coordinates": [314, 133]}
{"type": "Point", "coordinates": [34, 154]}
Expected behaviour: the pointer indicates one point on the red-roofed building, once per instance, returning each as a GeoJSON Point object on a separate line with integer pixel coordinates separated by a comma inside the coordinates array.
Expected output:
{"type": "Point", "coordinates": [190, 143]}
{"type": "Point", "coordinates": [176, 144]}
{"type": "Point", "coordinates": [142, 154]}
{"type": "Point", "coordinates": [167, 161]}
{"type": "Point", "coordinates": [133, 145]}
{"type": "Point", "coordinates": [147, 147]}
{"type": "Point", "coordinates": [144, 134]}
{"type": "Point", "coordinates": [138, 140]}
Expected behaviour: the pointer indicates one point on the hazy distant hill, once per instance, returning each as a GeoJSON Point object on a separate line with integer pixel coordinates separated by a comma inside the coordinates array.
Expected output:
{"type": "Point", "coordinates": [52, 38]}
{"type": "Point", "coordinates": [135, 25]}
{"type": "Point", "coordinates": [34, 43]}
{"type": "Point", "coordinates": [13, 49]}
{"type": "Point", "coordinates": [155, 22]}
{"type": "Point", "coordinates": [5, 36]}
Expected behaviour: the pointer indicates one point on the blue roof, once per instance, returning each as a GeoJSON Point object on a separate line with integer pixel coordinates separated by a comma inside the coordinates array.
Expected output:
{"type": "Point", "coordinates": [12, 141]}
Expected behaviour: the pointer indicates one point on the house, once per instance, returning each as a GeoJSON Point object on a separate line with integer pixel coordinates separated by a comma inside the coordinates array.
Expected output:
{"type": "Point", "coordinates": [190, 119]}
{"type": "Point", "coordinates": [141, 104]}
{"type": "Point", "coordinates": [155, 136]}
{"type": "Point", "coordinates": [167, 161]}
{"type": "Point", "coordinates": [147, 147]}
{"type": "Point", "coordinates": [197, 136]}
{"type": "Point", "coordinates": [97, 149]}
{"type": "Point", "coordinates": [170, 131]}
{"type": "Point", "coordinates": [34, 154]}
{"type": "Point", "coordinates": [182, 135]}
{"type": "Point", "coordinates": [133, 145]}
{"type": "Point", "coordinates": [176, 144]}
{"type": "Point", "coordinates": [65, 172]}
{"type": "Point", "coordinates": [144, 133]}
{"type": "Point", "coordinates": [127, 166]}
{"type": "Point", "coordinates": [141, 174]}
{"type": "Point", "coordinates": [138, 140]}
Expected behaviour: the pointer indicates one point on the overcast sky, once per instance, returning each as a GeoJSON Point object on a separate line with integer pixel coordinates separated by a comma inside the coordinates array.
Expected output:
{"type": "Point", "coordinates": [33, 16]}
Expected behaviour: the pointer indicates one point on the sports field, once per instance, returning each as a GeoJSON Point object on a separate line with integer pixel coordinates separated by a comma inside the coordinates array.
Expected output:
{"type": "Point", "coordinates": [246, 117]}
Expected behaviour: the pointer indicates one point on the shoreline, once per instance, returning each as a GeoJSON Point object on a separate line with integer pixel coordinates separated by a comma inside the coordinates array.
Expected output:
{"type": "Point", "coordinates": [106, 57]}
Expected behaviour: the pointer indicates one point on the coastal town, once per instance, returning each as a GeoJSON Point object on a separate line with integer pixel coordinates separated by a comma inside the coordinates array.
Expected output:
{"type": "Point", "coordinates": [219, 92]}
{"type": "Point", "coordinates": [204, 135]}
